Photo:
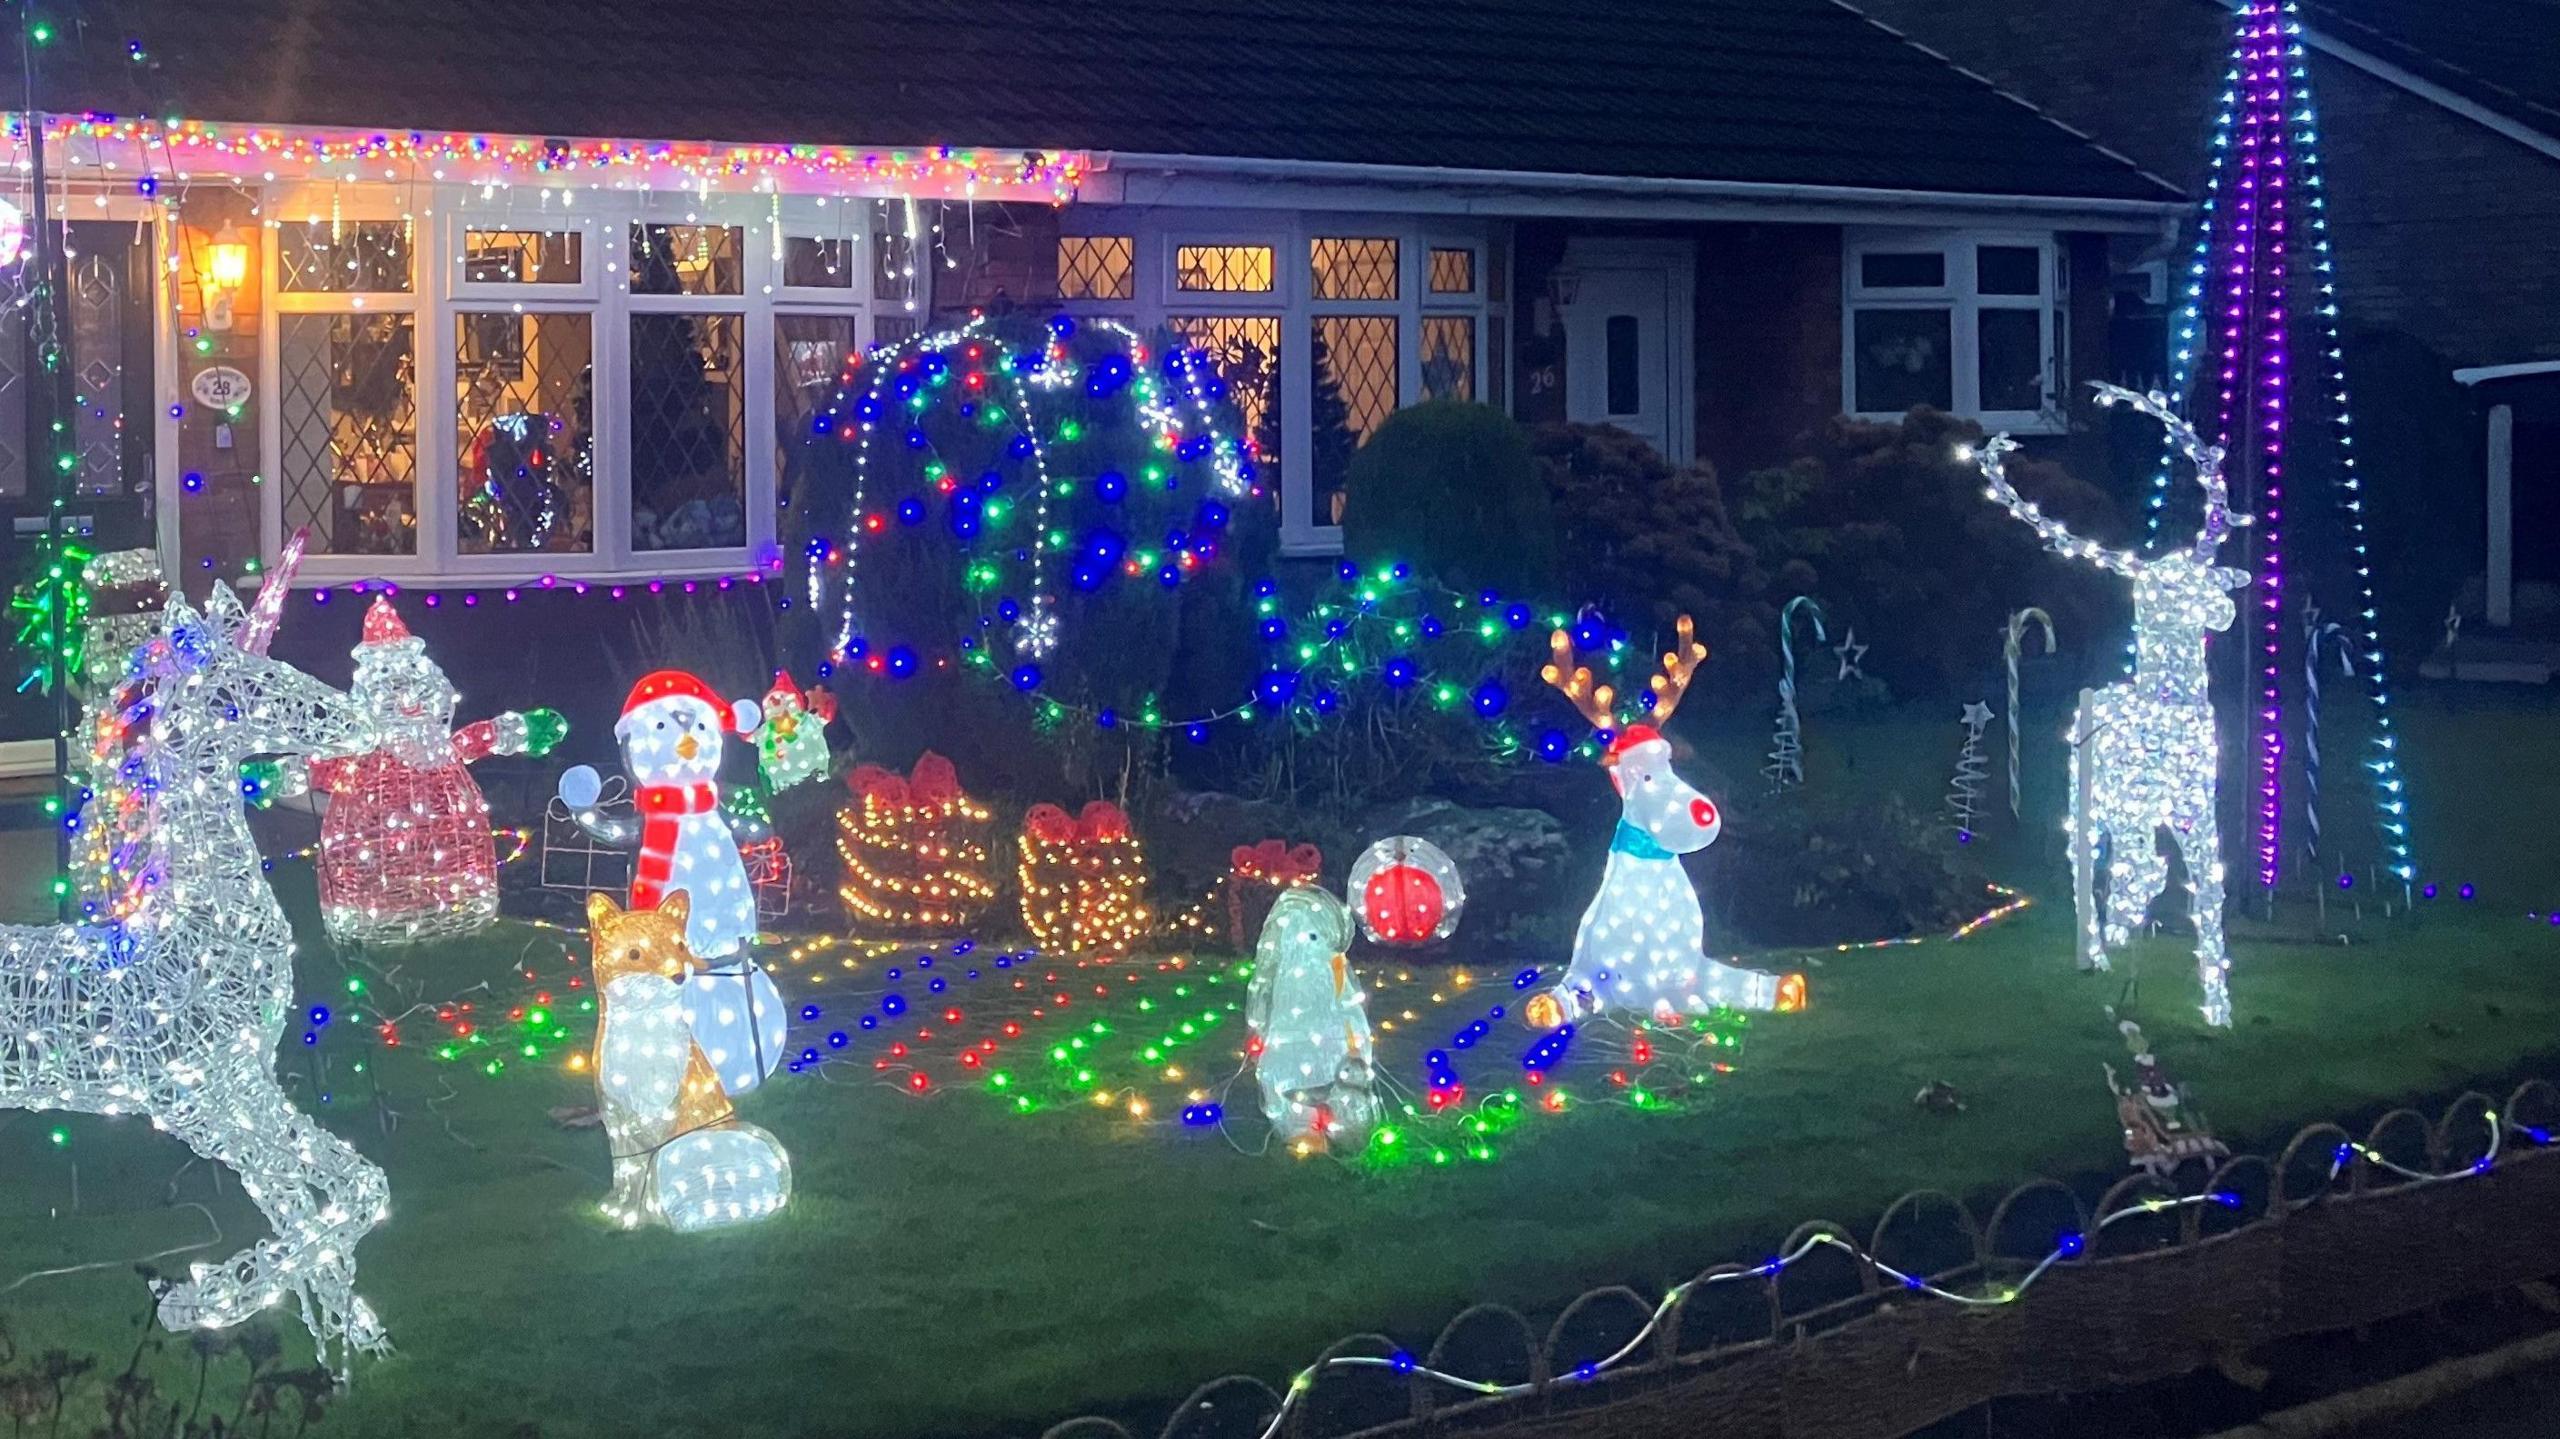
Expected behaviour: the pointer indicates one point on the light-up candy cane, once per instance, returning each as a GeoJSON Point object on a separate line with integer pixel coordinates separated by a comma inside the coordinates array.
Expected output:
{"type": "Point", "coordinates": [2144, 754]}
{"type": "Point", "coordinates": [1786, 753]}
{"type": "Point", "coordinates": [2317, 634]}
{"type": "Point", "coordinates": [2013, 643]}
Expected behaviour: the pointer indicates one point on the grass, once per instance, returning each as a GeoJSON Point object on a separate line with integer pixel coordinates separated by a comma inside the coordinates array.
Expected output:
{"type": "Point", "coordinates": [949, 1266]}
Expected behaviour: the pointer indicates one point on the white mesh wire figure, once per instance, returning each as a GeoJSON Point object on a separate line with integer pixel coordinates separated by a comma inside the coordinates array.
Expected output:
{"type": "Point", "coordinates": [174, 1011]}
{"type": "Point", "coordinates": [2144, 756]}
{"type": "Point", "coordinates": [573, 859]}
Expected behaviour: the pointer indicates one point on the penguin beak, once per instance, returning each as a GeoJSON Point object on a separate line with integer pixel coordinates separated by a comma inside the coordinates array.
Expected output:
{"type": "Point", "coordinates": [687, 748]}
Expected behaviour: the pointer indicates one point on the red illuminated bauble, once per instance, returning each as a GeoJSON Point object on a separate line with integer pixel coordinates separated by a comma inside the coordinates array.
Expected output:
{"type": "Point", "coordinates": [1402, 904]}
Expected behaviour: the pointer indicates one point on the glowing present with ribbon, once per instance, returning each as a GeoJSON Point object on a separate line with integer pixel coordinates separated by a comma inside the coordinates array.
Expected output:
{"type": "Point", "coordinates": [1084, 880]}
{"type": "Point", "coordinates": [914, 848]}
{"type": "Point", "coordinates": [1407, 891]}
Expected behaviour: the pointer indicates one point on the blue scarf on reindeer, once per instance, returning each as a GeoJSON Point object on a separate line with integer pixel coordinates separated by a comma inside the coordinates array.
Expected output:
{"type": "Point", "coordinates": [1635, 843]}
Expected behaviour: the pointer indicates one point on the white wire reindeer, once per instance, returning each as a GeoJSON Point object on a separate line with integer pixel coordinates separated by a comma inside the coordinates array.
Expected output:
{"type": "Point", "coordinates": [174, 1011]}
{"type": "Point", "coordinates": [2145, 757]}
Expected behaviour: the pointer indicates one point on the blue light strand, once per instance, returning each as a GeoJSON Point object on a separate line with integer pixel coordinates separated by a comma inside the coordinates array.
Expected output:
{"type": "Point", "coordinates": [2068, 1245]}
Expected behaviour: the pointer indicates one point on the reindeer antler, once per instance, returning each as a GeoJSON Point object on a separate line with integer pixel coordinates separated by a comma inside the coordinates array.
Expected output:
{"type": "Point", "coordinates": [1597, 702]}
{"type": "Point", "coordinates": [2219, 520]}
{"type": "Point", "coordinates": [1679, 666]}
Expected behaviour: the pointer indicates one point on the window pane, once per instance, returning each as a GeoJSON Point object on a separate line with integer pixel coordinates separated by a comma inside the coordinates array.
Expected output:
{"type": "Point", "coordinates": [1353, 269]}
{"type": "Point", "coordinates": [2012, 359]}
{"type": "Point", "coordinates": [814, 264]}
{"type": "Point", "coordinates": [890, 329]}
{"type": "Point", "coordinates": [1453, 272]}
{"type": "Point", "coordinates": [688, 432]}
{"type": "Point", "coordinates": [1448, 357]}
{"type": "Point", "coordinates": [349, 416]}
{"type": "Point", "coordinates": [524, 407]}
{"type": "Point", "coordinates": [1901, 359]}
{"type": "Point", "coordinates": [808, 356]}
{"type": "Point", "coordinates": [2008, 270]}
{"type": "Point", "coordinates": [1355, 388]}
{"type": "Point", "coordinates": [1902, 269]}
{"type": "Point", "coordinates": [523, 257]}
{"type": "Point", "coordinates": [111, 344]}
{"type": "Point", "coordinates": [1232, 269]}
{"type": "Point", "coordinates": [1625, 373]}
{"type": "Point", "coordinates": [687, 260]}
{"type": "Point", "coordinates": [328, 257]}
{"type": "Point", "coordinates": [1097, 267]}
{"type": "Point", "coordinates": [1245, 351]}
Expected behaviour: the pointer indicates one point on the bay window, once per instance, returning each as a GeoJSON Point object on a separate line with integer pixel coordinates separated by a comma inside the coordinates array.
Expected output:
{"type": "Point", "coordinates": [499, 385]}
{"type": "Point", "coordinates": [1962, 321]}
{"type": "Point", "coordinates": [1321, 325]}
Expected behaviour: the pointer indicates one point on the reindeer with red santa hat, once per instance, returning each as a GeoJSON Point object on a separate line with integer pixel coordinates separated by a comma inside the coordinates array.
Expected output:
{"type": "Point", "coordinates": [1640, 943]}
{"type": "Point", "coordinates": [671, 735]}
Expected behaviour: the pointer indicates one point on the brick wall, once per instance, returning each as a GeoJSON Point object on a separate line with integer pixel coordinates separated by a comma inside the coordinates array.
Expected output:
{"type": "Point", "coordinates": [1768, 322]}
{"type": "Point", "coordinates": [2431, 213]}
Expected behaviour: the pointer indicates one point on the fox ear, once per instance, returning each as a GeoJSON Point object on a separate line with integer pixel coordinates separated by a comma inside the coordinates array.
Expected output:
{"type": "Point", "coordinates": [601, 910]}
{"type": "Point", "coordinates": [677, 907]}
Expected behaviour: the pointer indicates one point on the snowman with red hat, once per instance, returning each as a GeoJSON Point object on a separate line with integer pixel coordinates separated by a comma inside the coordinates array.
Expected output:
{"type": "Point", "coordinates": [671, 733]}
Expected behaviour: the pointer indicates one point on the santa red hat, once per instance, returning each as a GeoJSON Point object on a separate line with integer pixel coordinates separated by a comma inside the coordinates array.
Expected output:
{"type": "Point", "coordinates": [383, 630]}
{"type": "Point", "coordinates": [740, 718]}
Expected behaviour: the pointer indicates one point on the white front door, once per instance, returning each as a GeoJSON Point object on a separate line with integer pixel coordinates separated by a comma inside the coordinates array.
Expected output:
{"type": "Point", "coordinates": [1627, 327]}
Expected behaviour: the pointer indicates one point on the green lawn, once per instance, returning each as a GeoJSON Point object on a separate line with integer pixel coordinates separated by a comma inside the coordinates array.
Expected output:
{"type": "Point", "coordinates": [950, 1264]}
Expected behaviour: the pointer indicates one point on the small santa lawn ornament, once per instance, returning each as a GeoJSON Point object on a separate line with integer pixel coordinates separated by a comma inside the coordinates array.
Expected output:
{"type": "Point", "coordinates": [404, 850]}
{"type": "Point", "coordinates": [793, 744]}
{"type": "Point", "coordinates": [671, 729]}
{"type": "Point", "coordinates": [1406, 891]}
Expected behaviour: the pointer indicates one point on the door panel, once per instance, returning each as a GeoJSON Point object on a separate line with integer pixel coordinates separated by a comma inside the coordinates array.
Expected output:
{"type": "Point", "coordinates": [1618, 354]}
{"type": "Point", "coordinates": [109, 334]}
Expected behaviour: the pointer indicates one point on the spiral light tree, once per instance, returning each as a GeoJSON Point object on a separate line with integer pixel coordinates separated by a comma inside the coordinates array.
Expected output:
{"type": "Point", "coordinates": [2144, 757]}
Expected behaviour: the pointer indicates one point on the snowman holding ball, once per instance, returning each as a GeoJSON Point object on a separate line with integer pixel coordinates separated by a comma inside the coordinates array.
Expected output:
{"type": "Point", "coordinates": [671, 736]}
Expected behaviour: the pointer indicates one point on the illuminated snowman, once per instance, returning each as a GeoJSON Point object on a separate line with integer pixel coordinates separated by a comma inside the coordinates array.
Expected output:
{"type": "Point", "coordinates": [671, 734]}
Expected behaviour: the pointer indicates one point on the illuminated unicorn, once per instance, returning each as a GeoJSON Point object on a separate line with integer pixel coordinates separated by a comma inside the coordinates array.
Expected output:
{"type": "Point", "coordinates": [173, 1011]}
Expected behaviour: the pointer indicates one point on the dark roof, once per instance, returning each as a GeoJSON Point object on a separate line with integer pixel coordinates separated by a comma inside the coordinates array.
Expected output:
{"type": "Point", "coordinates": [1788, 91]}
{"type": "Point", "coordinates": [2502, 55]}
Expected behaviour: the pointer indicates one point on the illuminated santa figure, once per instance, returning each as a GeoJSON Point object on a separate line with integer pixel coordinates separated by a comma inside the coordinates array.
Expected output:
{"type": "Point", "coordinates": [671, 734]}
{"type": "Point", "coordinates": [405, 850]}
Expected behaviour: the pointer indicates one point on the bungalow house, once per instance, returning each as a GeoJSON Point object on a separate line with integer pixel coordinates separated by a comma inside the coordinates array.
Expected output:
{"type": "Point", "coordinates": [2441, 130]}
{"type": "Point", "coordinates": [327, 257]}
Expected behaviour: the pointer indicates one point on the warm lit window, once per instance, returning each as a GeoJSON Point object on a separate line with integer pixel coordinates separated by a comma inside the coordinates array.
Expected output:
{"type": "Point", "coordinates": [524, 438]}
{"type": "Point", "coordinates": [1959, 322]}
{"type": "Point", "coordinates": [523, 257]}
{"type": "Point", "coordinates": [1223, 269]}
{"type": "Point", "coordinates": [687, 260]}
{"type": "Point", "coordinates": [1097, 267]}
{"type": "Point", "coordinates": [347, 383]}
{"type": "Point", "coordinates": [1320, 327]}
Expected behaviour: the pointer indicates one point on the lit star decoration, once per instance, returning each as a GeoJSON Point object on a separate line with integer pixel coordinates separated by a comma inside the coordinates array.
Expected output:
{"type": "Point", "coordinates": [670, 732]}
{"type": "Point", "coordinates": [173, 1011]}
{"type": "Point", "coordinates": [2144, 756]}
{"type": "Point", "coordinates": [1083, 880]}
{"type": "Point", "coordinates": [681, 1156]}
{"type": "Point", "coordinates": [1310, 1026]}
{"type": "Point", "coordinates": [405, 849]}
{"type": "Point", "coordinates": [2265, 189]}
{"type": "Point", "coordinates": [1639, 945]}
{"type": "Point", "coordinates": [1406, 891]}
{"type": "Point", "coordinates": [1849, 652]}
{"type": "Point", "coordinates": [914, 849]}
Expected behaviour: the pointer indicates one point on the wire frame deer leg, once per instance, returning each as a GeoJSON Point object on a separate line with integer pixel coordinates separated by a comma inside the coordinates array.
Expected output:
{"type": "Point", "coordinates": [2200, 845]}
{"type": "Point", "coordinates": [2090, 946]}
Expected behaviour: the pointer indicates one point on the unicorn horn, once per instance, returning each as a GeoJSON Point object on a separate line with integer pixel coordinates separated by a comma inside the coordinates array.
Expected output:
{"type": "Point", "coordinates": [268, 610]}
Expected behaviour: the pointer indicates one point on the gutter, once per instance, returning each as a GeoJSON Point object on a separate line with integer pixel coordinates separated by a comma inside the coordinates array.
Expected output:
{"type": "Point", "coordinates": [2132, 213]}
{"type": "Point", "coordinates": [2478, 373]}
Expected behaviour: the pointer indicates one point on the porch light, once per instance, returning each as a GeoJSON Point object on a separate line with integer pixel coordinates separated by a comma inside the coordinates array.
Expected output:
{"type": "Point", "coordinates": [226, 269]}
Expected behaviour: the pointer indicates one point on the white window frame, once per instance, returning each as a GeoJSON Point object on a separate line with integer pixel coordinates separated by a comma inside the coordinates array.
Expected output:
{"type": "Point", "coordinates": [438, 293]}
{"type": "Point", "coordinates": [1157, 233]}
{"type": "Point", "coordinates": [1960, 296]}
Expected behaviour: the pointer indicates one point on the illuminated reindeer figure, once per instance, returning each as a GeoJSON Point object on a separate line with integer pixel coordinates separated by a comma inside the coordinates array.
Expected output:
{"type": "Point", "coordinates": [174, 1010]}
{"type": "Point", "coordinates": [2144, 755]}
{"type": "Point", "coordinates": [1639, 945]}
